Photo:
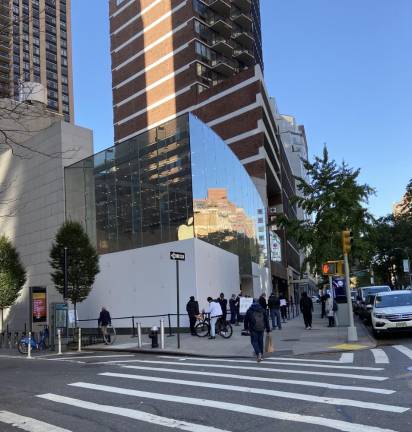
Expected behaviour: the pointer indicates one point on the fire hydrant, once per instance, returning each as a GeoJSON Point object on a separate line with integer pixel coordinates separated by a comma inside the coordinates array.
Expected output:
{"type": "Point", "coordinates": [153, 335]}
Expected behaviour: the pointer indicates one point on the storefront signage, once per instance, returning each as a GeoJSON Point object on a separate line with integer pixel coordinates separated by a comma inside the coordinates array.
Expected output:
{"type": "Point", "coordinates": [39, 304]}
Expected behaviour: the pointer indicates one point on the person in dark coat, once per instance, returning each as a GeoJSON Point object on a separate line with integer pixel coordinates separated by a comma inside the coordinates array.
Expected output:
{"type": "Point", "coordinates": [262, 301]}
{"type": "Point", "coordinates": [306, 307]}
{"type": "Point", "coordinates": [192, 309]}
{"type": "Point", "coordinates": [323, 305]}
{"type": "Point", "coordinates": [232, 306]}
{"type": "Point", "coordinates": [256, 322]}
{"type": "Point", "coordinates": [103, 321]}
{"type": "Point", "coordinates": [223, 304]}
{"type": "Point", "coordinates": [274, 309]}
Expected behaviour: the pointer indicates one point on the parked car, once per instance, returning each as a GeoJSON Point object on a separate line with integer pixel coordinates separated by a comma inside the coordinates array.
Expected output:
{"type": "Point", "coordinates": [392, 311]}
{"type": "Point", "coordinates": [365, 309]}
{"type": "Point", "coordinates": [363, 292]}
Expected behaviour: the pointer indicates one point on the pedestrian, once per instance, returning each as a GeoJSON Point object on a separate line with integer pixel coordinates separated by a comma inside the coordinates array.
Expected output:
{"type": "Point", "coordinates": [323, 305]}
{"type": "Point", "coordinates": [215, 312]}
{"type": "Point", "coordinates": [192, 309]}
{"type": "Point", "coordinates": [306, 307]}
{"type": "Point", "coordinates": [239, 318]}
{"type": "Point", "coordinates": [329, 306]}
{"type": "Point", "coordinates": [256, 322]}
{"type": "Point", "coordinates": [274, 309]}
{"type": "Point", "coordinates": [283, 307]}
{"type": "Point", "coordinates": [262, 301]}
{"type": "Point", "coordinates": [232, 306]}
{"type": "Point", "coordinates": [223, 305]}
{"type": "Point", "coordinates": [103, 321]}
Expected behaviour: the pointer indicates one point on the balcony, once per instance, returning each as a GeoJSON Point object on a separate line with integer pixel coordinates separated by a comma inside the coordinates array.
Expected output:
{"type": "Point", "coordinates": [242, 19]}
{"type": "Point", "coordinates": [222, 46]}
{"type": "Point", "coordinates": [224, 66]}
{"type": "Point", "coordinates": [221, 7]}
{"type": "Point", "coordinates": [244, 5]}
{"type": "Point", "coordinates": [242, 36]}
{"type": "Point", "coordinates": [220, 25]}
{"type": "Point", "coordinates": [244, 55]}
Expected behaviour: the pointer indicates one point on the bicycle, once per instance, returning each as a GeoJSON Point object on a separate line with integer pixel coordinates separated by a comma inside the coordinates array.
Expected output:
{"type": "Point", "coordinates": [223, 328]}
{"type": "Point", "coordinates": [110, 336]}
{"type": "Point", "coordinates": [23, 345]}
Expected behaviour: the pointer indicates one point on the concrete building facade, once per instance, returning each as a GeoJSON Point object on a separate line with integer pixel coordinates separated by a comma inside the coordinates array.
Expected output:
{"type": "Point", "coordinates": [32, 196]}
{"type": "Point", "coordinates": [170, 57]}
{"type": "Point", "coordinates": [36, 47]}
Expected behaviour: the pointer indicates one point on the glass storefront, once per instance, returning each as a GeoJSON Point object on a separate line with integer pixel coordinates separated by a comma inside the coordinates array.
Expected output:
{"type": "Point", "coordinates": [173, 182]}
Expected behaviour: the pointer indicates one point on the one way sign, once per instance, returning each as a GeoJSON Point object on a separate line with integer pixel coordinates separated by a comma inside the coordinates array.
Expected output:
{"type": "Point", "coordinates": [179, 256]}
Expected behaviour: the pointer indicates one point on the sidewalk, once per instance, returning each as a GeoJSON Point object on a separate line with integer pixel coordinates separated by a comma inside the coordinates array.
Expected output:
{"type": "Point", "coordinates": [293, 339]}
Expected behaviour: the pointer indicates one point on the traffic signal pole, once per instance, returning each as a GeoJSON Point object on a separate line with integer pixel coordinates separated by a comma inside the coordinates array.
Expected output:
{"type": "Point", "coordinates": [352, 333]}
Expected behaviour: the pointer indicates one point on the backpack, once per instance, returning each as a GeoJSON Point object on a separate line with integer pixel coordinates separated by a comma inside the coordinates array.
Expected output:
{"type": "Point", "coordinates": [258, 320]}
{"type": "Point", "coordinates": [335, 306]}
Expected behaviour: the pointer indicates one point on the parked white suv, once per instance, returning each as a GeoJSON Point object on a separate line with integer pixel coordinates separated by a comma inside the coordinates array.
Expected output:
{"type": "Point", "coordinates": [392, 311]}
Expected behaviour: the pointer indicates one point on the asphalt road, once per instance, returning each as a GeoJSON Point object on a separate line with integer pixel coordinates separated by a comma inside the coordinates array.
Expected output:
{"type": "Point", "coordinates": [364, 391]}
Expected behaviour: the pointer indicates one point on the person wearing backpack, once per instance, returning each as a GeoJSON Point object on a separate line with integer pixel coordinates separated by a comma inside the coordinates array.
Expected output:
{"type": "Point", "coordinates": [256, 321]}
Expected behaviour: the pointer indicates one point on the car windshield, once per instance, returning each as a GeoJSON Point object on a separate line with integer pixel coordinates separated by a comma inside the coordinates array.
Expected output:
{"type": "Point", "coordinates": [375, 290]}
{"type": "Point", "coordinates": [393, 300]}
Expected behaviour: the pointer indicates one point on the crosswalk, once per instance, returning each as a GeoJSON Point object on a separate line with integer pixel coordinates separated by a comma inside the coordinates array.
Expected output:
{"type": "Point", "coordinates": [199, 393]}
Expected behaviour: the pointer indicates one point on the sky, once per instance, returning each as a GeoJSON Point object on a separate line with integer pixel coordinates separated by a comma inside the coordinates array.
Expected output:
{"type": "Point", "coordinates": [342, 68]}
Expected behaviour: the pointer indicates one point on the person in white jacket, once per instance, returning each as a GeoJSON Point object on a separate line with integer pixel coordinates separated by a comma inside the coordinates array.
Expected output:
{"type": "Point", "coordinates": [215, 312]}
{"type": "Point", "coordinates": [329, 311]}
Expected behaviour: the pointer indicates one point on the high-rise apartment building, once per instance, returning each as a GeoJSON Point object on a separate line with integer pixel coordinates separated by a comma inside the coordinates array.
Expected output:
{"type": "Point", "coordinates": [35, 46]}
{"type": "Point", "coordinates": [170, 57]}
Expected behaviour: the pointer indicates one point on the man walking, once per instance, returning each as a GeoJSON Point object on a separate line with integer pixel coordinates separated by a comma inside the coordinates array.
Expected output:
{"type": "Point", "coordinates": [283, 307]}
{"type": "Point", "coordinates": [274, 308]}
{"type": "Point", "coordinates": [103, 321]}
{"type": "Point", "coordinates": [306, 307]}
{"type": "Point", "coordinates": [256, 321]}
{"type": "Point", "coordinates": [232, 306]}
{"type": "Point", "coordinates": [262, 301]}
{"type": "Point", "coordinates": [192, 309]}
{"type": "Point", "coordinates": [215, 311]}
{"type": "Point", "coordinates": [223, 305]}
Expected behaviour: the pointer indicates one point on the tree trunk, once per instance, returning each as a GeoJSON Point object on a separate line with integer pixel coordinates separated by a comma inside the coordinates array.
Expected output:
{"type": "Point", "coordinates": [2, 322]}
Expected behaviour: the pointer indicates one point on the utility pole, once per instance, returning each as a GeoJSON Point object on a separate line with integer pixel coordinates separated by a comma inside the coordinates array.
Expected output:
{"type": "Point", "coordinates": [347, 240]}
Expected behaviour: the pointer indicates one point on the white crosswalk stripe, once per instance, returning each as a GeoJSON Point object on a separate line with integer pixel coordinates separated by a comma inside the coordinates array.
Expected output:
{"type": "Point", "coordinates": [130, 413]}
{"type": "Point", "coordinates": [380, 356]}
{"type": "Point", "coordinates": [28, 424]}
{"type": "Point", "coordinates": [275, 393]}
{"type": "Point", "coordinates": [237, 408]}
{"type": "Point", "coordinates": [404, 350]}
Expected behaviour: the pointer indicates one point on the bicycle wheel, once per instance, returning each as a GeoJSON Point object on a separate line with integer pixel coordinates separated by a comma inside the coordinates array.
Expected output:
{"type": "Point", "coordinates": [22, 347]}
{"type": "Point", "coordinates": [226, 330]}
{"type": "Point", "coordinates": [202, 329]}
{"type": "Point", "coordinates": [110, 336]}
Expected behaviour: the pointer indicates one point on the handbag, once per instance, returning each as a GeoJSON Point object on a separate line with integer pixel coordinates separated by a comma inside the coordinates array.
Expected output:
{"type": "Point", "coordinates": [268, 343]}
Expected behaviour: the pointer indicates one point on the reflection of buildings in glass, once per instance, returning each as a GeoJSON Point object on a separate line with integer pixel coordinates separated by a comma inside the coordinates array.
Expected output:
{"type": "Point", "coordinates": [217, 214]}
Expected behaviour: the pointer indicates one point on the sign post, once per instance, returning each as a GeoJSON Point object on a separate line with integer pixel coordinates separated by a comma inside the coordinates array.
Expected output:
{"type": "Point", "coordinates": [177, 256]}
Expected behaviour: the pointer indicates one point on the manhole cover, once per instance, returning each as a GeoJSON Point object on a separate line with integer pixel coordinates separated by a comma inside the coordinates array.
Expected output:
{"type": "Point", "coordinates": [290, 340]}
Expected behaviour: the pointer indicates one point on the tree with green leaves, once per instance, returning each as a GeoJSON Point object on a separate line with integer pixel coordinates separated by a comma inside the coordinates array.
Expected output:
{"type": "Point", "coordinates": [406, 203]}
{"type": "Point", "coordinates": [12, 275]}
{"type": "Point", "coordinates": [82, 262]}
{"type": "Point", "coordinates": [333, 200]}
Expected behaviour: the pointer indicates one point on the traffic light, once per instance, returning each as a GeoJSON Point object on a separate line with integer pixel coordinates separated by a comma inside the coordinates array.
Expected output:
{"type": "Point", "coordinates": [347, 241]}
{"type": "Point", "coordinates": [332, 268]}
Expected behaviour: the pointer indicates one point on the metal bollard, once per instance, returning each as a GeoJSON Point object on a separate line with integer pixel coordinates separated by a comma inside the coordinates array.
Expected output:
{"type": "Point", "coordinates": [80, 340]}
{"type": "Point", "coordinates": [29, 347]}
{"type": "Point", "coordinates": [59, 341]}
{"type": "Point", "coordinates": [162, 334]}
{"type": "Point", "coordinates": [139, 335]}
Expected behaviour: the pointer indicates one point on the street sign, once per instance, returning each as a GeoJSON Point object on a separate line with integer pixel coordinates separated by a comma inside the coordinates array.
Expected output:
{"type": "Point", "coordinates": [178, 256]}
